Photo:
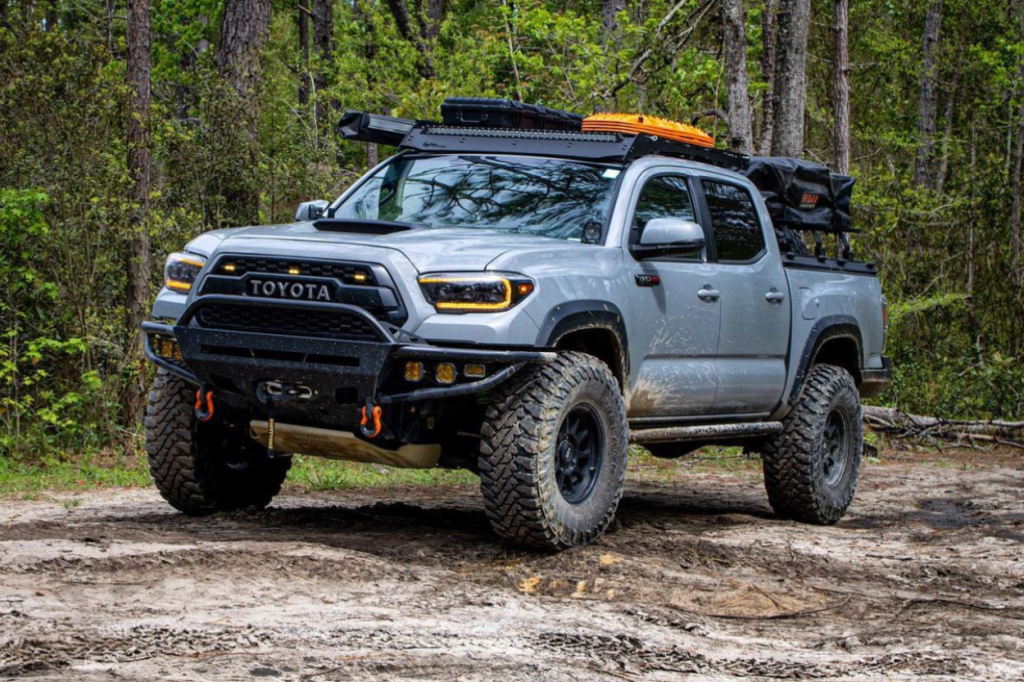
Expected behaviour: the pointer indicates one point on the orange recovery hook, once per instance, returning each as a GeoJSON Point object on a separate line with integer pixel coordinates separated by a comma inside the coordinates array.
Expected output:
{"type": "Point", "coordinates": [204, 413]}
{"type": "Point", "coordinates": [371, 424]}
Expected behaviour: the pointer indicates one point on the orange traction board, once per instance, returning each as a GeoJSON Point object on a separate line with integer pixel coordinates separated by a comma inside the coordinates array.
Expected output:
{"type": "Point", "coordinates": [638, 124]}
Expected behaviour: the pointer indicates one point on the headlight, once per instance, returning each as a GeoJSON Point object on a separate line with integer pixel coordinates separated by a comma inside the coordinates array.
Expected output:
{"type": "Point", "coordinates": [181, 271]}
{"type": "Point", "coordinates": [475, 293]}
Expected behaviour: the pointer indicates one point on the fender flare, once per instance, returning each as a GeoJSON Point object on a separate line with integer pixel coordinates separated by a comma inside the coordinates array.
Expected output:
{"type": "Point", "coordinates": [573, 316]}
{"type": "Point", "coordinates": [824, 330]}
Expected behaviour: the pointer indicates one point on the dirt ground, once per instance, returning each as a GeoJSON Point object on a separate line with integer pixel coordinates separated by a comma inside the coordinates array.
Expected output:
{"type": "Point", "coordinates": [923, 579]}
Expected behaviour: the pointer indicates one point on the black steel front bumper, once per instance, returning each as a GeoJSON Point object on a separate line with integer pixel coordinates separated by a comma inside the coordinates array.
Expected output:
{"type": "Point", "coordinates": [342, 373]}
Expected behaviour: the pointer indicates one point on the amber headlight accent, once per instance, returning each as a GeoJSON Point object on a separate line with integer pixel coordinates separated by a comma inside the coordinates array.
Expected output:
{"type": "Point", "coordinates": [475, 293]}
{"type": "Point", "coordinates": [181, 271]}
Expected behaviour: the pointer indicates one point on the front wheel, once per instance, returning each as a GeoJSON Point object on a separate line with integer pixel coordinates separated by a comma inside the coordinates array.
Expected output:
{"type": "Point", "coordinates": [202, 468]}
{"type": "Point", "coordinates": [553, 456]}
{"type": "Point", "coordinates": [811, 468]}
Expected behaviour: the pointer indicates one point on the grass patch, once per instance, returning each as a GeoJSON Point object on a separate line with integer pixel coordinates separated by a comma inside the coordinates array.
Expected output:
{"type": "Point", "coordinates": [84, 473]}
{"type": "Point", "coordinates": [646, 468]}
{"type": "Point", "coordinates": [313, 474]}
{"type": "Point", "coordinates": [316, 474]}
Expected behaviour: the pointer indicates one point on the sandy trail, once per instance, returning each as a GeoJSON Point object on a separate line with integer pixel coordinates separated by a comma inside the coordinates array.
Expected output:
{"type": "Point", "coordinates": [925, 577]}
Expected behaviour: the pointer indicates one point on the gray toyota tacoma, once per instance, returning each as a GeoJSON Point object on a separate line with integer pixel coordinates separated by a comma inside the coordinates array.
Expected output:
{"type": "Point", "coordinates": [524, 304]}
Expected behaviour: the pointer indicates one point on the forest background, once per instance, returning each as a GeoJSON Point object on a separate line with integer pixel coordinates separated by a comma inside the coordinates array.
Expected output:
{"type": "Point", "coordinates": [127, 128]}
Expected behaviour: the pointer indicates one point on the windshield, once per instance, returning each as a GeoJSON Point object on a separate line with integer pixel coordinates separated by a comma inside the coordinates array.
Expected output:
{"type": "Point", "coordinates": [540, 196]}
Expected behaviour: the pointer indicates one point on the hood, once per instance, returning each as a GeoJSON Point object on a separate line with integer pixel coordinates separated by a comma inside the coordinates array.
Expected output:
{"type": "Point", "coordinates": [428, 249]}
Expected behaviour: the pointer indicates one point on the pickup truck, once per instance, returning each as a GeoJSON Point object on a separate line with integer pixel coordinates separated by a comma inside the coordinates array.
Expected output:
{"type": "Point", "coordinates": [524, 305]}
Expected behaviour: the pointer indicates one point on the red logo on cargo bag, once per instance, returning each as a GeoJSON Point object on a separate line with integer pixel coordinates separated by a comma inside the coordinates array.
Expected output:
{"type": "Point", "coordinates": [809, 200]}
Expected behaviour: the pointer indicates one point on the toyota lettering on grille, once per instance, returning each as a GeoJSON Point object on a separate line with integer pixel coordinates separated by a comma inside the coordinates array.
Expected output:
{"type": "Point", "coordinates": [302, 291]}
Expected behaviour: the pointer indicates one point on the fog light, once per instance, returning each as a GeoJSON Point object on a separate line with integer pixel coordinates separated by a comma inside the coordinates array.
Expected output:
{"type": "Point", "coordinates": [445, 373]}
{"type": "Point", "coordinates": [166, 348]}
{"type": "Point", "coordinates": [414, 371]}
{"type": "Point", "coordinates": [476, 371]}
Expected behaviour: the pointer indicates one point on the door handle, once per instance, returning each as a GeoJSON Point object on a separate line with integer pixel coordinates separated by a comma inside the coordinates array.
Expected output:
{"type": "Point", "coordinates": [708, 294]}
{"type": "Point", "coordinates": [774, 296]}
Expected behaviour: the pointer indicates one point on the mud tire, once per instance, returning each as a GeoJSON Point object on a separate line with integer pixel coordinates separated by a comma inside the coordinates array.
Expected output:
{"type": "Point", "coordinates": [518, 454]}
{"type": "Point", "coordinates": [800, 483]}
{"type": "Point", "coordinates": [201, 469]}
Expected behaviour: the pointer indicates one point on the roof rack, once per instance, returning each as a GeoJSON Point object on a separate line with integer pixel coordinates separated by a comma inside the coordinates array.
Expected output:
{"type": "Point", "coordinates": [426, 136]}
{"type": "Point", "coordinates": [601, 147]}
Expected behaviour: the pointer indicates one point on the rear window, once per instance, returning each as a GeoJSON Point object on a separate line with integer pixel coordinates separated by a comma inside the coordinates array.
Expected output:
{"type": "Point", "coordinates": [734, 222]}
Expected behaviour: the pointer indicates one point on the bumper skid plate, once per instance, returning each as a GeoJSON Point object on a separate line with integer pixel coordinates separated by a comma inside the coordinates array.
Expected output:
{"type": "Point", "coordinates": [343, 445]}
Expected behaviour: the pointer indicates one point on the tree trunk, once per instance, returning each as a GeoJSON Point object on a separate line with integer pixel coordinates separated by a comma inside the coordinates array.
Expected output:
{"type": "Point", "coordinates": [323, 39]}
{"type": "Point", "coordinates": [791, 78]}
{"type": "Point", "coordinates": [187, 63]}
{"type": "Point", "coordinates": [974, 204]}
{"type": "Point", "coordinates": [304, 51]}
{"type": "Point", "coordinates": [323, 35]}
{"type": "Point", "coordinates": [139, 171]}
{"type": "Point", "coordinates": [734, 19]}
{"type": "Point", "coordinates": [892, 420]}
{"type": "Point", "coordinates": [1015, 210]}
{"type": "Point", "coordinates": [841, 82]}
{"type": "Point", "coordinates": [51, 15]}
{"type": "Point", "coordinates": [950, 112]}
{"type": "Point", "coordinates": [435, 14]}
{"type": "Point", "coordinates": [403, 22]}
{"type": "Point", "coordinates": [609, 21]}
{"type": "Point", "coordinates": [1018, 165]}
{"type": "Point", "coordinates": [924, 174]}
{"type": "Point", "coordinates": [769, 46]}
{"type": "Point", "coordinates": [108, 20]}
{"type": "Point", "coordinates": [243, 34]}
{"type": "Point", "coordinates": [369, 54]}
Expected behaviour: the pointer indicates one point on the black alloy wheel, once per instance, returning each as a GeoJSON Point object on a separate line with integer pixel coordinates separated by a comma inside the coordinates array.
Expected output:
{"type": "Point", "coordinates": [837, 448]}
{"type": "Point", "coordinates": [579, 452]}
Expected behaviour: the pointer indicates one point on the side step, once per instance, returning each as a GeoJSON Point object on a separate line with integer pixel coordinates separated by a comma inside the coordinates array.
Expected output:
{"type": "Point", "coordinates": [679, 434]}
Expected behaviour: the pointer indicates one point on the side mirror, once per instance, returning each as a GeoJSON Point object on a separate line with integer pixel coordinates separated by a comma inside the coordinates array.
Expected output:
{"type": "Point", "coordinates": [669, 237]}
{"type": "Point", "coordinates": [311, 210]}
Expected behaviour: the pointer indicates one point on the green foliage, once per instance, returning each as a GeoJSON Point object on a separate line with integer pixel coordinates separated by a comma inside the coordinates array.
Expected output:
{"type": "Point", "coordinates": [957, 335]}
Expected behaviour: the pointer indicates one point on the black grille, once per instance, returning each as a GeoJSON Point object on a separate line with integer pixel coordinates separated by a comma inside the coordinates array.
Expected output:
{"type": "Point", "coordinates": [290, 322]}
{"type": "Point", "coordinates": [348, 273]}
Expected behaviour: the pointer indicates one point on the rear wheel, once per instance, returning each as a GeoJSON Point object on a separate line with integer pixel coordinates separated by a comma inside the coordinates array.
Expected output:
{"type": "Point", "coordinates": [811, 468]}
{"type": "Point", "coordinates": [553, 457]}
{"type": "Point", "coordinates": [202, 468]}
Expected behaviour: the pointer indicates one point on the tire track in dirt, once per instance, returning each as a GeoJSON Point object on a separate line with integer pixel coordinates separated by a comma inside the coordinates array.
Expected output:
{"type": "Point", "coordinates": [696, 579]}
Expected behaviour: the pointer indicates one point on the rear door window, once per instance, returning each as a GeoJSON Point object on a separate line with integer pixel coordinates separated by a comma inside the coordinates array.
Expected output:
{"type": "Point", "coordinates": [734, 222]}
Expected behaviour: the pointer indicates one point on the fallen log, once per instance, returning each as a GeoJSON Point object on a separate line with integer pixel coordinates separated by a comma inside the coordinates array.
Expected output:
{"type": "Point", "coordinates": [893, 421]}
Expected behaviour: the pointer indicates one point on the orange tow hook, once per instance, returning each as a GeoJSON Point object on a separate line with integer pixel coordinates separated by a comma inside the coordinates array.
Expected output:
{"type": "Point", "coordinates": [204, 413]}
{"type": "Point", "coordinates": [371, 412]}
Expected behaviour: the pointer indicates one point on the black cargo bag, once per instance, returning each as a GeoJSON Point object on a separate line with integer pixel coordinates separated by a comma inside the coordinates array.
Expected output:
{"type": "Point", "coordinates": [802, 195]}
{"type": "Point", "coordinates": [485, 112]}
